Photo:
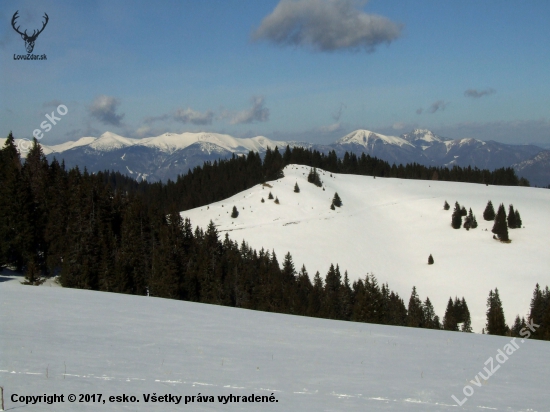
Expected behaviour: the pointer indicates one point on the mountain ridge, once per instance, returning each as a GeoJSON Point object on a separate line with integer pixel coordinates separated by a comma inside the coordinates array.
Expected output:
{"type": "Point", "coordinates": [163, 157]}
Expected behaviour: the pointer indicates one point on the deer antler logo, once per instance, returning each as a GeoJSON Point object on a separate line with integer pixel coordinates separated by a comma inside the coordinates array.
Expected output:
{"type": "Point", "coordinates": [29, 40]}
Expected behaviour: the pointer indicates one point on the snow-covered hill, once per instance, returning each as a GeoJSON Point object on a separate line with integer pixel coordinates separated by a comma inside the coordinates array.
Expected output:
{"type": "Point", "coordinates": [389, 227]}
{"type": "Point", "coordinates": [63, 341]}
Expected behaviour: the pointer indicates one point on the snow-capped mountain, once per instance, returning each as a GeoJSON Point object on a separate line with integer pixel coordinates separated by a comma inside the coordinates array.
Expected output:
{"type": "Point", "coordinates": [168, 155]}
{"type": "Point", "coordinates": [536, 169]}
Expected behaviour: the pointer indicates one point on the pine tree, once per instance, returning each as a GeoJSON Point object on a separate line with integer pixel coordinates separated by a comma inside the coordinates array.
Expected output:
{"type": "Point", "coordinates": [519, 324]}
{"type": "Point", "coordinates": [456, 219]}
{"type": "Point", "coordinates": [277, 200]}
{"type": "Point", "coordinates": [446, 206]}
{"type": "Point", "coordinates": [430, 260]}
{"type": "Point", "coordinates": [466, 320]}
{"type": "Point", "coordinates": [336, 201]}
{"type": "Point", "coordinates": [519, 223]}
{"type": "Point", "coordinates": [489, 212]}
{"type": "Point", "coordinates": [296, 188]}
{"type": "Point", "coordinates": [512, 224]}
{"type": "Point", "coordinates": [270, 197]}
{"type": "Point", "coordinates": [496, 324]}
{"type": "Point", "coordinates": [473, 220]}
{"type": "Point", "coordinates": [313, 177]}
{"type": "Point", "coordinates": [332, 206]}
{"type": "Point", "coordinates": [415, 312]}
{"type": "Point", "coordinates": [500, 228]}
{"type": "Point", "coordinates": [263, 201]}
{"type": "Point", "coordinates": [431, 320]}
{"type": "Point", "coordinates": [235, 212]}
{"type": "Point", "coordinates": [463, 211]}
{"type": "Point", "coordinates": [449, 321]}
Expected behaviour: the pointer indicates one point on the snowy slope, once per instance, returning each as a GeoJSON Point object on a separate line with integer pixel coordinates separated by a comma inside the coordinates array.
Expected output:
{"type": "Point", "coordinates": [64, 341]}
{"type": "Point", "coordinates": [389, 227]}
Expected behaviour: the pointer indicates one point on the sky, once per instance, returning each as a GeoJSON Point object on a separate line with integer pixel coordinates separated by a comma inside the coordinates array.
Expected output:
{"type": "Point", "coordinates": [305, 70]}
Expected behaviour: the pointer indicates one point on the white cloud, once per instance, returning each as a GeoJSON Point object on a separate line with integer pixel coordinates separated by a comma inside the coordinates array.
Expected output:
{"type": "Point", "coordinates": [104, 109]}
{"type": "Point", "coordinates": [257, 113]}
{"type": "Point", "coordinates": [326, 26]}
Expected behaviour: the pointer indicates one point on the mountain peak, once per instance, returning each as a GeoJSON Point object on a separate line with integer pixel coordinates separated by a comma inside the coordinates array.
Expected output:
{"type": "Point", "coordinates": [367, 138]}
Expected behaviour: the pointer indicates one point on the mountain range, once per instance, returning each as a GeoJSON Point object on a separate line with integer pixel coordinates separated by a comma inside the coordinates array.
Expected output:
{"type": "Point", "coordinates": [166, 156]}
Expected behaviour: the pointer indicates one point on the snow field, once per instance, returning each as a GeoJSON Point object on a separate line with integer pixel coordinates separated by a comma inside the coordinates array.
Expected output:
{"type": "Point", "coordinates": [67, 341]}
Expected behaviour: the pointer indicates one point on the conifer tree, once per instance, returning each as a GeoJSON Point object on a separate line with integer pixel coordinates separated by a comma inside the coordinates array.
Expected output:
{"type": "Point", "coordinates": [449, 320]}
{"type": "Point", "coordinates": [316, 297]}
{"type": "Point", "coordinates": [519, 324]}
{"type": "Point", "coordinates": [489, 212]}
{"type": "Point", "coordinates": [519, 223]}
{"type": "Point", "coordinates": [332, 206]}
{"type": "Point", "coordinates": [473, 221]}
{"type": "Point", "coordinates": [313, 177]}
{"type": "Point", "coordinates": [500, 228]}
{"type": "Point", "coordinates": [296, 188]}
{"type": "Point", "coordinates": [277, 200]}
{"type": "Point", "coordinates": [466, 320]}
{"type": "Point", "coordinates": [336, 201]}
{"type": "Point", "coordinates": [263, 201]}
{"type": "Point", "coordinates": [512, 224]}
{"type": "Point", "coordinates": [496, 324]}
{"type": "Point", "coordinates": [430, 260]}
{"type": "Point", "coordinates": [331, 304]}
{"type": "Point", "coordinates": [431, 320]}
{"type": "Point", "coordinates": [235, 212]}
{"type": "Point", "coordinates": [11, 201]}
{"type": "Point", "coordinates": [270, 197]}
{"type": "Point", "coordinates": [415, 312]}
{"type": "Point", "coordinates": [303, 290]}
{"type": "Point", "coordinates": [346, 298]}
{"type": "Point", "coordinates": [463, 211]}
{"type": "Point", "coordinates": [456, 219]}
{"type": "Point", "coordinates": [446, 206]}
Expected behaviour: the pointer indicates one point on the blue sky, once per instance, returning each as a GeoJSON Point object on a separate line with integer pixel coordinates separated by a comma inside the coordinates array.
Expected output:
{"type": "Point", "coordinates": [309, 70]}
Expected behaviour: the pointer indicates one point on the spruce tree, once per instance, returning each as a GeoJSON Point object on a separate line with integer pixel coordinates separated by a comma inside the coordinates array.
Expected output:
{"type": "Point", "coordinates": [270, 197]}
{"type": "Point", "coordinates": [446, 206]}
{"type": "Point", "coordinates": [463, 211]}
{"type": "Point", "coordinates": [489, 212]}
{"type": "Point", "coordinates": [496, 323]}
{"type": "Point", "coordinates": [263, 201]}
{"type": "Point", "coordinates": [456, 219]}
{"type": "Point", "coordinates": [314, 178]}
{"type": "Point", "coordinates": [277, 200]}
{"type": "Point", "coordinates": [431, 320]}
{"type": "Point", "coordinates": [415, 312]}
{"type": "Point", "coordinates": [336, 201]}
{"type": "Point", "coordinates": [332, 206]}
{"type": "Point", "coordinates": [430, 260]}
{"type": "Point", "coordinates": [466, 320]}
{"type": "Point", "coordinates": [512, 224]}
{"type": "Point", "coordinates": [519, 324]}
{"type": "Point", "coordinates": [519, 223]}
{"type": "Point", "coordinates": [235, 212]}
{"type": "Point", "coordinates": [500, 228]}
{"type": "Point", "coordinates": [296, 188]}
{"type": "Point", "coordinates": [449, 321]}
